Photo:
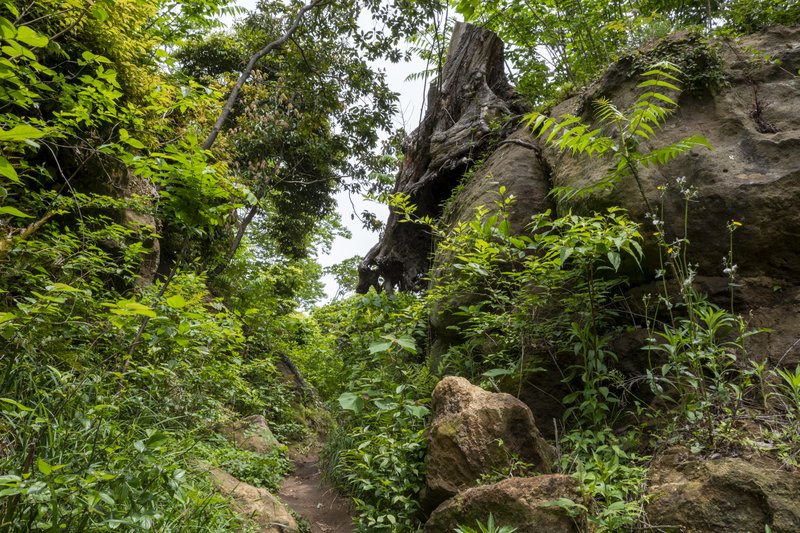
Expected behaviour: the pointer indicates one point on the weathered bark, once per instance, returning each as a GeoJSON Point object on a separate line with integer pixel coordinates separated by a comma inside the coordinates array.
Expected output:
{"type": "Point", "coordinates": [472, 96]}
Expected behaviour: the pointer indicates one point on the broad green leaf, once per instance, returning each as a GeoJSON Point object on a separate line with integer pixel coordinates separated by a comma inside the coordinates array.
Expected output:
{"type": "Point", "coordinates": [99, 13]}
{"type": "Point", "coordinates": [135, 308]}
{"type": "Point", "coordinates": [380, 347]}
{"type": "Point", "coordinates": [417, 411]}
{"type": "Point", "coordinates": [407, 343]}
{"type": "Point", "coordinates": [43, 466]}
{"type": "Point", "coordinates": [614, 259]}
{"type": "Point", "coordinates": [496, 372]}
{"type": "Point", "coordinates": [31, 37]}
{"type": "Point", "coordinates": [21, 133]}
{"type": "Point", "coordinates": [135, 143]}
{"type": "Point", "coordinates": [157, 440]}
{"type": "Point", "coordinates": [7, 170]}
{"type": "Point", "coordinates": [176, 302]}
{"type": "Point", "coordinates": [89, 57]}
{"type": "Point", "coordinates": [7, 28]}
{"type": "Point", "coordinates": [351, 402]}
{"type": "Point", "coordinates": [62, 287]}
{"type": "Point", "coordinates": [14, 212]}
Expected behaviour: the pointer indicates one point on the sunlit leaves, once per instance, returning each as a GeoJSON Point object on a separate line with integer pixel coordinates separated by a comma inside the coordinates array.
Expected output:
{"type": "Point", "coordinates": [21, 133]}
{"type": "Point", "coordinates": [626, 130]}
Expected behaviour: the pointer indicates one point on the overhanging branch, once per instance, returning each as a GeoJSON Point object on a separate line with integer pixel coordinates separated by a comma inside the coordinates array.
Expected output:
{"type": "Point", "coordinates": [226, 110]}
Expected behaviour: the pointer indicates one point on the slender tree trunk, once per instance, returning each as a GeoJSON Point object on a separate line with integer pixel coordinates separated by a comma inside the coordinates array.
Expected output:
{"type": "Point", "coordinates": [212, 137]}
{"type": "Point", "coordinates": [255, 58]}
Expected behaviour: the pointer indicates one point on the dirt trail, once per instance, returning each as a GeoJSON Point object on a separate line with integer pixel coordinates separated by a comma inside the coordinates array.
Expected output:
{"type": "Point", "coordinates": [313, 498]}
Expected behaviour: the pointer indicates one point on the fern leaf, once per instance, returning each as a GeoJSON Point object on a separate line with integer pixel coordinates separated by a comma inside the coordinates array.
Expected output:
{"type": "Point", "coordinates": [607, 111]}
{"type": "Point", "coordinates": [663, 155]}
{"type": "Point", "coordinates": [658, 72]}
{"type": "Point", "coordinates": [534, 121]}
{"type": "Point", "coordinates": [646, 127]}
{"type": "Point", "coordinates": [663, 97]}
{"type": "Point", "coordinates": [659, 83]}
{"type": "Point", "coordinates": [567, 120]}
{"type": "Point", "coordinates": [665, 65]}
{"type": "Point", "coordinates": [566, 194]}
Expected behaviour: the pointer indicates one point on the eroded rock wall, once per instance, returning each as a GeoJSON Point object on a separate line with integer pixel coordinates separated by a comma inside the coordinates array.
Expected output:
{"type": "Point", "coordinates": [751, 117]}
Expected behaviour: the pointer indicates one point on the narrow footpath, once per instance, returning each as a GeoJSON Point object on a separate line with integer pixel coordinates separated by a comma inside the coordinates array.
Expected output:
{"type": "Point", "coordinates": [315, 499]}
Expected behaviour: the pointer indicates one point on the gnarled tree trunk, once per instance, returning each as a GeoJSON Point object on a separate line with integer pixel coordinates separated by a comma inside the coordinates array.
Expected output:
{"type": "Point", "coordinates": [472, 96]}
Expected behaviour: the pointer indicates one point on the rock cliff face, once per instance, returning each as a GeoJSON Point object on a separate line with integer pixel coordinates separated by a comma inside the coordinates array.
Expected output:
{"type": "Point", "coordinates": [751, 117]}
{"type": "Point", "coordinates": [733, 494]}
{"type": "Point", "coordinates": [749, 110]}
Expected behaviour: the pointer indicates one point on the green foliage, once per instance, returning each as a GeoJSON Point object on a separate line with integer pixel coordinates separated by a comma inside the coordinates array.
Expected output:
{"type": "Point", "coordinates": [563, 272]}
{"type": "Point", "coordinates": [697, 56]}
{"type": "Point", "coordinates": [747, 16]}
{"type": "Point", "coordinates": [611, 475]}
{"type": "Point", "coordinates": [628, 131]}
{"type": "Point", "coordinates": [556, 47]}
{"type": "Point", "coordinates": [109, 381]}
{"type": "Point", "coordinates": [377, 454]}
{"type": "Point", "coordinates": [489, 527]}
{"type": "Point", "coordinates": [552, 44]}
{"type": "Point", "coordinates": [499, 279]}
{"type": "Point", "coordinates": [345, 274]}
{"type": "Point", "coordinates": [261, 470]}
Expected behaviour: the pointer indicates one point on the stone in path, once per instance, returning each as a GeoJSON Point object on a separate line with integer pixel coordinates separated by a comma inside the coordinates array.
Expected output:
{"type": "Point", "coordinates": [315, 499]}
{"type": "Point", "coordinates": [255, 503]}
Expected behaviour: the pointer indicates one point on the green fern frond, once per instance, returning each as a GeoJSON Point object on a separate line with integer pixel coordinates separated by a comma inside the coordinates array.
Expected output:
{"type": "Point", "coordinates": [431, 73]}
{"type": "Point", "coordinates": [659, 68]}
{"type": "Point", "coordinates": [663, 155]}
{"type": "Point", "coordinates": [663, 97]}
{"type": "Point", "coordinates": [566, 194]}
{"type": "Point", "coordinates": [607, 111]}
{"type": "Point", "coordinates": [538, 123]}
{"type": "Point", "coordinates": [647, 113]}
{"type": "Point", "coordinates": [575, 136]}
{"type": "Point", "coordinates": [567, 120]}
{"type": "Point", "coordinates": [659, 83]}
{"type": "Point", "coordinates": [650, 111]}
{"type": "Point", "coordinates": [644, 130]}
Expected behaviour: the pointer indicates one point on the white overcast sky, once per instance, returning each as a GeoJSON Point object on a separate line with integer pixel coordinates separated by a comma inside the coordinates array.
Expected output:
{"type": "Point", "coordinates": [412, 96]}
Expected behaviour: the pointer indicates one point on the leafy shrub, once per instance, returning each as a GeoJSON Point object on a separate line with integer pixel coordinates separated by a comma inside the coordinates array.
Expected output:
{"type": "Point", "coordinates": [261, 470]}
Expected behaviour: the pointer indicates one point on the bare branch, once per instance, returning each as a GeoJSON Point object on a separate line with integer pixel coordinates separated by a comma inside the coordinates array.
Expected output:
{"type": "Point", "coordinates": [226, 111]}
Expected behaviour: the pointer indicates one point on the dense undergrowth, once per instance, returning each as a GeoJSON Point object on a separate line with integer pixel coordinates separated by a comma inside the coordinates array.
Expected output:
{"type": "Point", "coordinates": [150, 284]}
{"type": "Point", "coordinates": [517, 303]}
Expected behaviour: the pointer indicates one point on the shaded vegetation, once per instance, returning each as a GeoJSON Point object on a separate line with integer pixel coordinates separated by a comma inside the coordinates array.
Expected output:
{"type": "Point", "coordinates": [155, 279]}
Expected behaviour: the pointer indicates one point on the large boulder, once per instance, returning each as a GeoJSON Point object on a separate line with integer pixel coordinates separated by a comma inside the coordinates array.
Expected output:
{"type": "Point", "coordinates": [747, 107]}
{"type": "Point", "coordinates": [473, 433]}
{"type": "Point", "coordinates": [732, 494]}
{"type": "Point", "coordinates": [751, 117]}
{"type": "Point", "coordinates": [251, 434]}
{"type": "Point", "coordinates": [523, 503]}
{"type": "Point", "coordinates": [254, 503]}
